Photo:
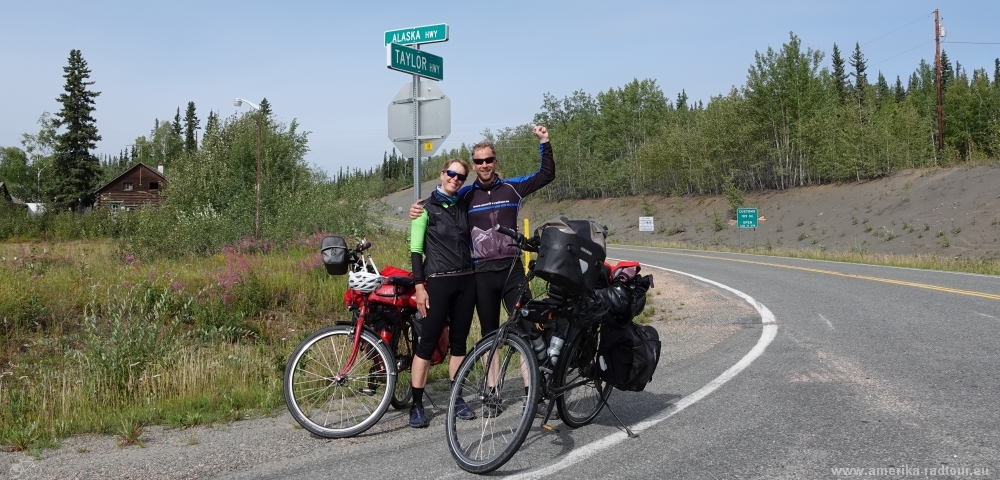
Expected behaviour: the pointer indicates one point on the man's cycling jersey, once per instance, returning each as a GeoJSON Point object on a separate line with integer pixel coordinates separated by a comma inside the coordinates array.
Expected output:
{"type": "Point", "coordinates": [498, 204]}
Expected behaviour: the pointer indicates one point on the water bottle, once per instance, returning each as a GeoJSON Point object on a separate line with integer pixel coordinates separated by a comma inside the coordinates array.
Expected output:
{"type": "Point", "coordinates": [554, 346]}
{"type": "Point", "coordinates": [538, 345]}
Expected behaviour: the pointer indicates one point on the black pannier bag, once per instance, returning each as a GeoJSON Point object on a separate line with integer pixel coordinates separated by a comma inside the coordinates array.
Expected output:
{"type": "Point", "coordinates": [571, 254]}
{"type": "Point", "coordinates": [628, 355]}
{"type": "Point", "coordinates": [334, 251]}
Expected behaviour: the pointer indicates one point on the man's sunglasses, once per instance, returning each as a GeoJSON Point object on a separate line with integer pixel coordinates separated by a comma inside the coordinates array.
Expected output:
{"type": "Point", "coordinates": [453, 174]}
{"type": "Point", "coordinates": [487, 160]}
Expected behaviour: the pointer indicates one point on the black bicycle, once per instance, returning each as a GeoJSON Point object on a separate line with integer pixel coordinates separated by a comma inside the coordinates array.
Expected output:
{"type": "Point", "coordinates": [545, 352]}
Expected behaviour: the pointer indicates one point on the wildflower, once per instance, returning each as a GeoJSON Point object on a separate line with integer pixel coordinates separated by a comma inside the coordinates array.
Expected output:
{"type": "Point", "coordinates": [129, 258]}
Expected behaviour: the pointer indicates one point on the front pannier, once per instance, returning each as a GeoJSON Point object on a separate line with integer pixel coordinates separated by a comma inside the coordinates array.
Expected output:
{"type": "Point", "coordinates": [571, 254]}
{"type": "Point", "coordinates": [334, 252]}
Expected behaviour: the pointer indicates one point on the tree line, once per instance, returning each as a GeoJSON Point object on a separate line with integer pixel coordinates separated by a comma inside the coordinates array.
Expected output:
{"type": "Point", "coordinates": [795, 122]}
{"type": "Point", "coordinates": [210, 198]}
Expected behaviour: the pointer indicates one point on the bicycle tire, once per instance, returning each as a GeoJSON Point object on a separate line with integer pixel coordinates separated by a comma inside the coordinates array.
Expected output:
{"type": "Point", "coordinates": [503, 414]}
{"type": "Point", "coordinates": [332, 409]}
{"type": "Point", "coordinates": [580, 405]}
{"type": "Point", "coordinates": [402, 349]}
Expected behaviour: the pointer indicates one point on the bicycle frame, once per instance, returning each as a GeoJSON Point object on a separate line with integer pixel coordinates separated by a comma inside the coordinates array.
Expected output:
{"type": "Point", "coordinates": [514, 326]}
{"type": "Point", "coordinates": [361, 301]}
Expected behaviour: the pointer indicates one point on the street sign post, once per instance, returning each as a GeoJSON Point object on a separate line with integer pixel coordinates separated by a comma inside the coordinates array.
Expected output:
{"type": "Point", "coordinates": [402, 58]}
{"type": "Point", "coordinates": [435, 118]}
{"type": "Point", "coordinates": [746, 218]}
{"type": "Point", "coordinates": [410, 60]}
{"type": "Point", "coordinates": [418, 35]}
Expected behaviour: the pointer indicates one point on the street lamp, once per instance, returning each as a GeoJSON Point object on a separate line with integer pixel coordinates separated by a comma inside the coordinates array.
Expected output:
{"type": "Point", "coordinates": [260, 116]}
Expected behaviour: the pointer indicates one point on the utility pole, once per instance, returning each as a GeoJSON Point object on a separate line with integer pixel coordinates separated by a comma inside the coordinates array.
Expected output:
{"type": "Point", "coordinates": [937, 62]}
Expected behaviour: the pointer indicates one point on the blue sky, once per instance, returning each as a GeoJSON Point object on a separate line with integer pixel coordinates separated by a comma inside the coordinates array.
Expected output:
{"type": "Point", "coordinates": [323, 63]}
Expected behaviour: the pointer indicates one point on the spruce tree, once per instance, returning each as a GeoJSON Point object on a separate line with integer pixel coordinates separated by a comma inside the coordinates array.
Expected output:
{"type": "Point", "coordinates": [947, 73]}
{"type": "Point", "coordinates": [898, 91]}
{"type": "Point", "coordinates": [175, 140]}
{"type": "Point", "coordinates": [839, 75]}
{"type": "Point", "coordinates": [882, 92]}
{"type": "Point", "coordinates": [211, 126]}
{"type": "Point", "coordinates": [996, 73]}
{"type": "Point", "coordinates": [682, 99]}
{"type": "Point", "coordinates": [860, 77]}
{"type": "Point", "coordinates": [77, 171]}
{"type": "Point", "coordinates": [265, 110]}
{"type": "Point", "coordinates": [191, 123]}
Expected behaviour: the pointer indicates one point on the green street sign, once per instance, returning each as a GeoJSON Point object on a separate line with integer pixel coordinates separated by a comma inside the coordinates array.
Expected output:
{"type": "Point", "coordinates": [411, 60]}
{"type": "Point", "coordinates": [746, 218]}
{"type": "Point", "coordinates": [418, 35]}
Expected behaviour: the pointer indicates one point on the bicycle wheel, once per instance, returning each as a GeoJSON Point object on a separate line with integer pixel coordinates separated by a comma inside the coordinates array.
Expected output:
{"type": "Point", "coordinates": [331, 407]}
{"type": "Point", "coordinates": [504, 411]}
{"type": "Point", "coordinates": [577, 371]}
{"type": "Point", "coordinates": [403, 350]}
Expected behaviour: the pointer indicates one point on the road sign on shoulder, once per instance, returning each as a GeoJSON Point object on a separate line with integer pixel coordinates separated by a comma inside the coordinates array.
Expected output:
{"type": "Point", "coordinates": [746, 218]}
{"type": "Point", "coordinates": [418, 35]}
{"type": "Point", "coordinates": [410, 60]}
{"type": "Point", "coordinates": [645, 224]}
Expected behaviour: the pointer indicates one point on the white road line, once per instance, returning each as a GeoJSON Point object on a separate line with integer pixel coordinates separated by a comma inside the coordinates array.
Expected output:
{"type": "Point", "coordinates": [769, 331]}
{"type": "Point", "coordinates": [985, 315]}
{"type": "Point", "coordinates": [825, 320]}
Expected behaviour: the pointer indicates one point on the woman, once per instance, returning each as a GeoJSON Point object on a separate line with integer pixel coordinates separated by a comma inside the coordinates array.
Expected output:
{"type": "Point", "coordinates": [441, 255]}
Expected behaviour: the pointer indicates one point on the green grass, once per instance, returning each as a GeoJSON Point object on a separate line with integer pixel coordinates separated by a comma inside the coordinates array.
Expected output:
{"type": "Point", "coordinates": [92, 341]}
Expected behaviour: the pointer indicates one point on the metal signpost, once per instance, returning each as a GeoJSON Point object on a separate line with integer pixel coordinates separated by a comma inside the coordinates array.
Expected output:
{"type": "Point", "coordinates": [746, 218]}
{"type": "Point", "coordinates": [402, 51]}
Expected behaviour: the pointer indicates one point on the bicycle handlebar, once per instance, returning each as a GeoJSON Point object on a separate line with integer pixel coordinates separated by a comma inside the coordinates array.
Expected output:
{"type": "Point", "coordinates": [527, 244]}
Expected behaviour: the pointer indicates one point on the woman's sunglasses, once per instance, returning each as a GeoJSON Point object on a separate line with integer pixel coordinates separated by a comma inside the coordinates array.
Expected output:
{"type": "Point", "coordinates": [454, 174]}
{"type": "Point", "coordinates": [487, 160]}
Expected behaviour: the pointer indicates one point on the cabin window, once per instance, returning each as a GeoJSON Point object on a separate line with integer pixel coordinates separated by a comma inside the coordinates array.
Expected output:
{"type": "Point", "coordinates": [127, 186]}
{"type": "Point", "coordinates": [115, 206]}
{"type": "Point", "coordinates": [154, 185]}
{"type": "Point", "coordinates": [131, 208]}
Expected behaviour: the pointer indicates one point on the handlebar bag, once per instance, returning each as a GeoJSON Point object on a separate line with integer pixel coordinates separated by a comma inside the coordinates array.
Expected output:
{"type": "Point", "coordinates": [571, 254]}
{"type": "Point", "coordinates": [334, 252]}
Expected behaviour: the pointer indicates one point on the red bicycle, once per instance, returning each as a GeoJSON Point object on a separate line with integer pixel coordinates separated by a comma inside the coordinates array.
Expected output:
{"type": "Point", "coordinates": [341, 379]}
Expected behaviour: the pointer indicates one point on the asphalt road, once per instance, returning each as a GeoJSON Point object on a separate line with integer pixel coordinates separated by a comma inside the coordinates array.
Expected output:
{"type": "Point", "coordinates": [891, 371]}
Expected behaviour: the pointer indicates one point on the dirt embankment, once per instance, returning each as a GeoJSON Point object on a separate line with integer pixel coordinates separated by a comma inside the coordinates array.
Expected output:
{"type": "Point", "coordinates": [951, 212]}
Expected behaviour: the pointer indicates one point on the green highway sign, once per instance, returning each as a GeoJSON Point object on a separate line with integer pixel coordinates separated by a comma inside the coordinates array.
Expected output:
{"type": "Point", "coordinates": [746, 218]}
{"type": "Point", "coordinates": [418, 35]}
{"type": "Point", "coordinates": [411, 60]}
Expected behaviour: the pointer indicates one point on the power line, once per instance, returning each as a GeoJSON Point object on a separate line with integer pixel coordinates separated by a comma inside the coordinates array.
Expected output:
{"type": "Point", "coordinates": [978, 43]}
{"type": "Point", "coordinates": [901, 53]}
{"type": "Point", "coordinates": [898, 29]}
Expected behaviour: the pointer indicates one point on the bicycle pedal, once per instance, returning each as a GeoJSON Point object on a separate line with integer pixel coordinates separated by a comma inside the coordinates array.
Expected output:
{"type": "Point", "coordinates": [368, 391]}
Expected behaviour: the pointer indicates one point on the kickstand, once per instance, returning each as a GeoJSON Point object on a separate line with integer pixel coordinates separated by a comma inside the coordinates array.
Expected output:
{"type": "Point", "coordinates": [620, 422]}
{"type": "Point", "coordinates": [548, 413]}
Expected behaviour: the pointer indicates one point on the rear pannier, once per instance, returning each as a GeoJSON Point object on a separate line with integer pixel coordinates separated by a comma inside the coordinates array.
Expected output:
{"type": "Point", "coordinates": [571, 254]}
{"type": "Point", "coordinates": [335, 257]}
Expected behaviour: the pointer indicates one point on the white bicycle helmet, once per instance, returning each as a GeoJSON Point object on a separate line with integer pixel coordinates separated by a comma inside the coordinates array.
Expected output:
{"type": "Point", "coordinates": [364, 282]}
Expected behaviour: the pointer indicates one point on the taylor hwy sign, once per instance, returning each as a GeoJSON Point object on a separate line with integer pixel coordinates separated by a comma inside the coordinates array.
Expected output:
{"type": "Point", "coordinates": [411, 60]}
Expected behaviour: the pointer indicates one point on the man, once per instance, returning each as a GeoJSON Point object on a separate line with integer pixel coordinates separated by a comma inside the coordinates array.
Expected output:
{"type": "Point", "coordinates": [493, 201]}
